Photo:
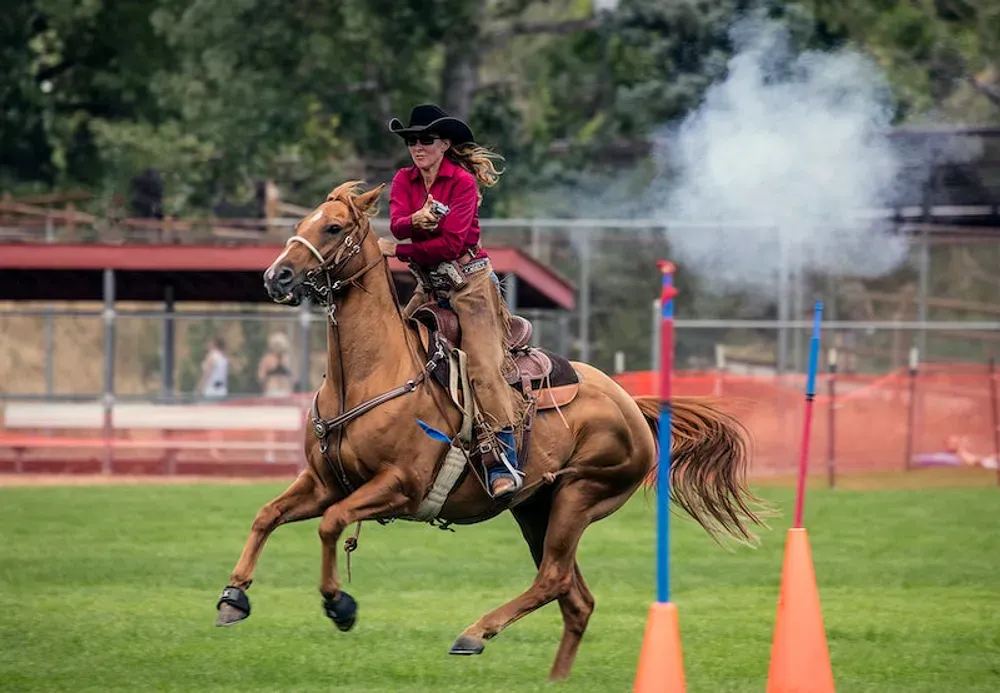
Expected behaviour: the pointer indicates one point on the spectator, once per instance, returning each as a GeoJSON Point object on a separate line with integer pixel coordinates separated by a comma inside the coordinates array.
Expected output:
{"type": "Point", "coordinates": [274, 372]}
{"type": "Point", "coordinates": [214, 383]}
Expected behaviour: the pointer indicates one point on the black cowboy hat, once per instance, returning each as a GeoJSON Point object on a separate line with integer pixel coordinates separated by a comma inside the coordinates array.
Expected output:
{"type": "Point", "coordinates": [429, 118]}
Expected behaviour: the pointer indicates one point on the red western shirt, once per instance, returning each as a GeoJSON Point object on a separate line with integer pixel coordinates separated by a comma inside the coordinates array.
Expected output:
{"type": "Point", "coordinates": [456, 232]}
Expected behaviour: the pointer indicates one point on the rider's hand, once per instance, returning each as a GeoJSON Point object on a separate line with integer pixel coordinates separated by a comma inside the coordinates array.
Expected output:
{"type": "Point", "coordinates": [387, 246]}
{"type": "Point", "coordinates": [424, 218]}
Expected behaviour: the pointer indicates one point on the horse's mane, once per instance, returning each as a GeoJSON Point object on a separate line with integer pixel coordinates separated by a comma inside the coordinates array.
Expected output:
{"type": "Point", "coordinates": [347, 192]}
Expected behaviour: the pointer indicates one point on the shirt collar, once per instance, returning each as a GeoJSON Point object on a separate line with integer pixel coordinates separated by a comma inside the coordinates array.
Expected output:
{"type": "Point", "coordinates": [447, 168]}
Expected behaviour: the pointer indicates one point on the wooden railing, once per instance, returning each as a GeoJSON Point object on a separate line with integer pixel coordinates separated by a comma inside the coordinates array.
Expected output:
{"type": "Point", "coordinates": [33, 223]}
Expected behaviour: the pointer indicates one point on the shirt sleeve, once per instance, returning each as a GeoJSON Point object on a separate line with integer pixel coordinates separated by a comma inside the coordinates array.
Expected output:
{"type": "Point", "coordinates": [449, 240]}
{"type": "Point", "coordinates": [399, 213]}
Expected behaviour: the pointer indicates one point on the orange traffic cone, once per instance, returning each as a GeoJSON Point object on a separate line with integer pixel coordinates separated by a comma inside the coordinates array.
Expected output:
{"type": "Point", "coordinates": [800, 660]}
{"type": "Point", "coordinates": [661, 667]}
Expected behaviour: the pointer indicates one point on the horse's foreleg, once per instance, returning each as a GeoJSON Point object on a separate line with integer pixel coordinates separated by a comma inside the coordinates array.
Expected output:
{"type": "Point", "coordinates": [381, 497]}
{"type": "Point", "coordinates": [556, 572]}
{"type": "Point", "coordinates": [303, 500]}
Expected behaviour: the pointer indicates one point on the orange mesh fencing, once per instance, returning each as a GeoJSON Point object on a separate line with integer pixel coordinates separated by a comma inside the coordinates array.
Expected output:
{"type": "Point", "coordinates": [870, 416]}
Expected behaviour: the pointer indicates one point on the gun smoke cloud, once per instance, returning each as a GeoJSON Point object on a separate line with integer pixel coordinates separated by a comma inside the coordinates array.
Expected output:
{"type": "Point", "coordinates": [792, 148]}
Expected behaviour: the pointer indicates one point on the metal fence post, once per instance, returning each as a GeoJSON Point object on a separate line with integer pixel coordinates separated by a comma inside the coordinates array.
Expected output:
{"type": "Point", "coordinates": [168, 346]}
{"type": "Point", "coordinates": [584, 335]}
{"type": "Point", "coordinates": [108, 400]}
{"type": "Point", "coordinates": [50, 349]}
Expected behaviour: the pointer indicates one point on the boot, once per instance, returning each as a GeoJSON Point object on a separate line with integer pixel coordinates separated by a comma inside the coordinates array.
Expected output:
{"type": "Point", "coordinates": [505, 478]}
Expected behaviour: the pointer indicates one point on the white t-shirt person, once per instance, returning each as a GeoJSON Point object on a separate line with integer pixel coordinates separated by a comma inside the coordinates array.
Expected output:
{"type": "Point", "coordinates": [214, 382]}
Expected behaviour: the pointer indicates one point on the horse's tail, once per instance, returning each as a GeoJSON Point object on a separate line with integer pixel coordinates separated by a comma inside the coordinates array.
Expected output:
{"type": "Point", "coordinates": [709, 459]}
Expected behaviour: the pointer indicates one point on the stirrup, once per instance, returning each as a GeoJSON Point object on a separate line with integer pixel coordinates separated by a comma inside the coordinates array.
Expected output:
{"type": "Point", "coordinates": [507, 489]}
{"type": "Point", "coordinates": [505, 470]}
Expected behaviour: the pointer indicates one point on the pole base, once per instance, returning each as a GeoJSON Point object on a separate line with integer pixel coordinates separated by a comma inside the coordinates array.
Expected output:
{"type": "Point", "coordinates": [800, 659]}
{"type": "Point", "coordinates": [661, 666]}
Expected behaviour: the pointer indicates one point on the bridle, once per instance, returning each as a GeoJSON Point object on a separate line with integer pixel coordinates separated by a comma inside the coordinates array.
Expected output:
{"type": "Point", "coordinates": [323, 284]}
{"type": "Point", "coordinates": [321, 280]}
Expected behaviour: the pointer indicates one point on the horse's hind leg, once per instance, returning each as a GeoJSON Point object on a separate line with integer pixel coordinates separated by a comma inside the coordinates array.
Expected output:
{"type": "Point", "coordinates": [533, 518]}
{"type": "Point", "coordinates": [572, 508]}
{"type": "Point", "coordinates": [578, 603]}
{"type": "Point", "coordinates": [303, 500]}
{"type": "Point", "coordinates": [576, 606]}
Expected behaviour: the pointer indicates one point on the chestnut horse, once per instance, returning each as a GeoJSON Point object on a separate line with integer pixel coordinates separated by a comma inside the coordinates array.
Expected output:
{"type": "Point", "coordinates": [586, 459]}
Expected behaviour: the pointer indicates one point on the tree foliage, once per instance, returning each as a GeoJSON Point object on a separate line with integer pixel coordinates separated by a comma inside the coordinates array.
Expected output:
{"type": "Point", "coordinates": [217, 96]}
{"type": "Point", "coordinates": [942, 56]}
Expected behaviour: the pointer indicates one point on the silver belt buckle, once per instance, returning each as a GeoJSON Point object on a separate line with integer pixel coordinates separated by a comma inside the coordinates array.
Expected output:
{"type": "Point", "coordinates": [475, 265]}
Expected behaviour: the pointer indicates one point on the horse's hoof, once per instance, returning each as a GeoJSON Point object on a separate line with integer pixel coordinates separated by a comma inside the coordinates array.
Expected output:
{"type": "Point", "coordinates": [343, 610]}
{"type": "Point", "coordinates": [229, 614]}
{"type": "Point", "coordinates": [467, 645]}
{"type": "Point", "coordinates": [233, 606]}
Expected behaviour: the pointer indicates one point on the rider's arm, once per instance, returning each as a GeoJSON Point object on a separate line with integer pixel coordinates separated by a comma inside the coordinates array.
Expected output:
{"type": "Point", "coordinates": [449, 240]}
{"type": "Point", "coordinates": [400, 215]}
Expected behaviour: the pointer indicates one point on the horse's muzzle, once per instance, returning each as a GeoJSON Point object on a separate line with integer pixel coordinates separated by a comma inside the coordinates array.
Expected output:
{"type": "Point", "coordinates": [283, 285]}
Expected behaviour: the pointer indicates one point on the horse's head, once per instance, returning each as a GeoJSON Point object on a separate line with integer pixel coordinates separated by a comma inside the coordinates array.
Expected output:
{"type": "Point", "coordinates": [323, 247]}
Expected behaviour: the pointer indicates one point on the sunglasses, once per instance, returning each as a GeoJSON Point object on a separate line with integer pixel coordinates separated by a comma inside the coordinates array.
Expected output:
{"type": "Point", "coordinates": [426, 140]}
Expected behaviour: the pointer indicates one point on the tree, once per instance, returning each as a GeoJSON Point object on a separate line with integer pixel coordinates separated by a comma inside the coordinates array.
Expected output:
{"type": "Point", "coordinates": [943, 56]}
{"type": "Point", "coordinates": [62, 68]}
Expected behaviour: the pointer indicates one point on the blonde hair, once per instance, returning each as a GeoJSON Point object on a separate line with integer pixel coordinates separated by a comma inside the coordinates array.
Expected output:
{"type": "Point", "coordinates": [478, 161]}
{"type": "Point", "coordinates": [278, 342]}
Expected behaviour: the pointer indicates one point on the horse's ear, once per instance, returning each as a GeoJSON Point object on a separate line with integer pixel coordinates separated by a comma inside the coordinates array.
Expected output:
{"type": "Point", "coordinates": [366, 201]}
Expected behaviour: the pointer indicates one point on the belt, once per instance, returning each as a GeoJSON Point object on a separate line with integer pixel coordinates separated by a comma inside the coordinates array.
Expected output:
{"type": "Point", "coordinates": [447, 276]}
{"type": "Point", "coordinates": [475, 265]}
{"type": "Point", "coordinates": [472, 263]}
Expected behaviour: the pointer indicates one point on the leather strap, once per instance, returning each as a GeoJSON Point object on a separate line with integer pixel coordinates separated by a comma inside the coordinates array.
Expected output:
{"type": "Point", "coordinates": [456, 458]}
{"type": "Point", "coordinates": [323, 427]}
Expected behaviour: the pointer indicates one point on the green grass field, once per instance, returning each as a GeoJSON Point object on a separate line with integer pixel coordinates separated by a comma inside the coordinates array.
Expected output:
{"type": "Point", "coordinates": [114, 588]}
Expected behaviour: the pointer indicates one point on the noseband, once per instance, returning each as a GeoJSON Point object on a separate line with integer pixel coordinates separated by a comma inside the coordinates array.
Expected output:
{"type": "Point", "coordinates": [322, 281]}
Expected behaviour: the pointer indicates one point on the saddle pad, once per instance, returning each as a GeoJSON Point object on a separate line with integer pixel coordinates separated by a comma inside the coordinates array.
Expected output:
{"type": "Point", "coordinates": [562, 373]}
{"type": "Point", "coordinates": [552, 397]}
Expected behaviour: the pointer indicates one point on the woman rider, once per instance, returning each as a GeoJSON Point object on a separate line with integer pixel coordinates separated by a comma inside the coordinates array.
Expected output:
{"type": "Point", "coordinates": [449, 168]}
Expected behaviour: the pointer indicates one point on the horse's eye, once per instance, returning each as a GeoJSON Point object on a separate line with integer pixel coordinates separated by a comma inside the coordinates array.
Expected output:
{"type": "Point", "coordinates": [333, 229]}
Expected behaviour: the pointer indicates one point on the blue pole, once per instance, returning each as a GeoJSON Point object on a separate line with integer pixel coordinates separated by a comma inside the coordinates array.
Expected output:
{"type": "Point", "coordinates": [667, 293]}
{"type": "Point", "coordinates": [807, 425]}
{"type": "Point", "coordinates": [814, 350]}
